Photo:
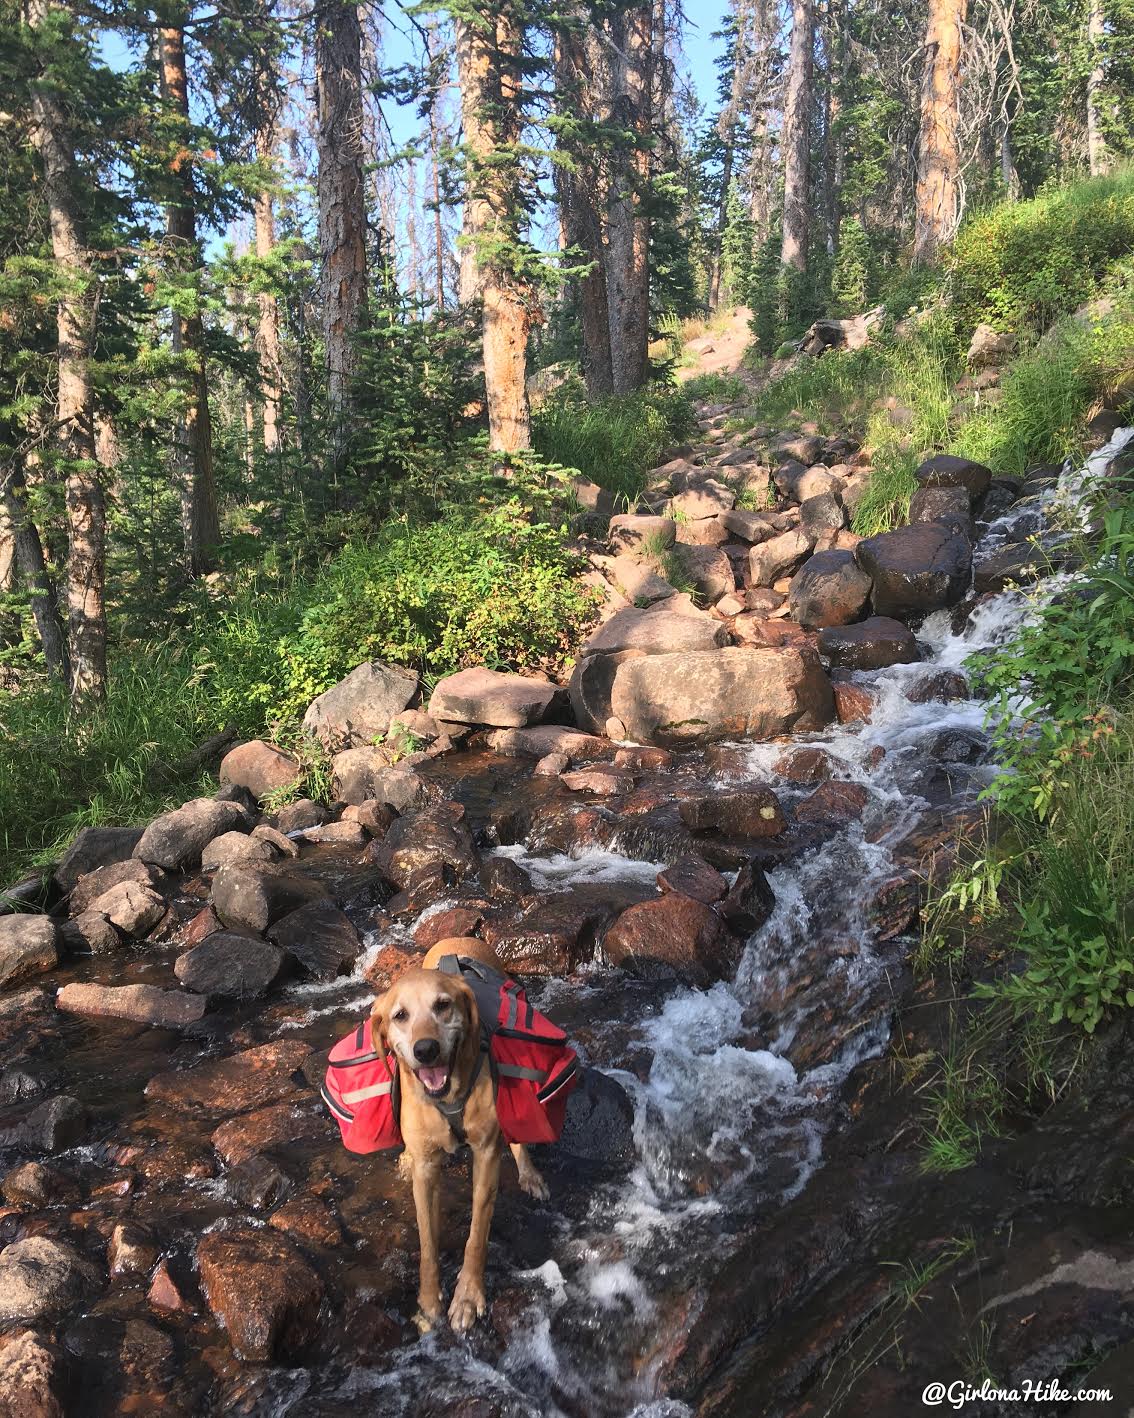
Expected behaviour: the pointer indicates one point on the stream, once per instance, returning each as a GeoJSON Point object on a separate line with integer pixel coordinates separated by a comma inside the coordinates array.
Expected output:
{"type": "Point", "coordinates": [737, 1089]}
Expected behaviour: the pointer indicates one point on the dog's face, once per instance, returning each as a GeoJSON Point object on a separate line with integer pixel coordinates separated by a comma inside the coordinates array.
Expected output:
{"type": "Point", "coordinates": [426, 1017]}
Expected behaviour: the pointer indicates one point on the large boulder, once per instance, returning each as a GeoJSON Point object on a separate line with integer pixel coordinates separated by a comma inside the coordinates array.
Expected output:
{"type": "Point", "coordinates": [436, 839]}
{"type": "Point", "coordinates": [946, 470]}
{"type": "Point", "coordinates": [636, 580]}
{"type": "Point", "coordinates": [741, 812]}
{"type": "Point", "coordinates": [236, 847]}
{"type": "Point", "coordinates": [260, 768]}
{"type": "Point", "coordinates": [803, 447]}
{"type": "Point", "coordinates": [655, 630]}
{"type": "Point", "coordinates": [252, 896]}
{"type": "Point", "coordinates": [830, 588]}
{"type": "Point", "coordinates": [709, 571]}
{"type": "Point", "coordinates": [28, 946]}
{"type": "Point", "coordinates": [673, 936]}
{"type": "Point", "coordinates": [703, 497]}
{"type": "Point", "coordinates": [230, 965]}
{"type": "Point", "coordinates": [359, 708]}
{"type": "Point", "coordinates": [41, 1279]}
{"type": "Point", "coordinates": [501, 701]}
{"type": "Point", "coordinates": [768, 561]}
{"type": "Point", "coordinates": [95, 847]}
{"type": "Point", "coordinates": [870, 645]}
{"type": "Point", "coordinates": [261, 1290]}
{"type": "Point", "coordinates": [989, 346]}
{"type": "Point", "coordinates": [749, 526]}
{"type": "Point", "coordinates": [941, 504]}
{"type": "Point", "coordinates": [320, 937]}
{"type": "Point", "coordinates": [916, 569]}
{"type": "Point", "coordinates": [355, 773]}
{"type": "Point", "coordinates": [91, 885]}
{"type": "Point", "coordinates": [635, 532]}
{"type": "Point", "coordinates": [734, 693]}
{"type": "Point", "coordinates": [1011, 565]}
{"type": "Point", "coordinates": [141, 1004]}
{"type": "Point", "coordinates": [176, 839]}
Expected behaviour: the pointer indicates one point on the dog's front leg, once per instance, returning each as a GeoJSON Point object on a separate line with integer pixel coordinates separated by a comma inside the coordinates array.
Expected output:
{"type": "Point", "coordinates": [468, 1298]}
{"type": "Point", "coordinates": [427, 1203]}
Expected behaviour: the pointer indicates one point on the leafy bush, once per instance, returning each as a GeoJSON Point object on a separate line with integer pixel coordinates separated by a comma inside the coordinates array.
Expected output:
{"type": "Point", "coordinates": [613, 441]}
{"type": "Point", "coordinates": [1021, 265]}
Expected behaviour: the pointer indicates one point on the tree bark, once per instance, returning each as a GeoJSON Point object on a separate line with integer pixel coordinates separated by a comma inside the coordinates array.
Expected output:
{"type": "Point", "coordinates": [938, 172]}
{"type": "Point", "coordinates": [267, 305]}
{"type": "Point", "coordinates": [488, 50]}
{"type": "Point", "coordinates": [30, 568]}
{"type": "Point", "coordinates": [797, 137]}
{"type": "Point", "coordinates": [200, 522]}
{"type": "Point", "coordinates": [342, 209]}
{"type": "Point", "coordinates": [1096, 143]}
{"type": "Point", "coordinates": [726, 131]}
{"type": "Point", "coordinates": [628, 226]}
{"type": "Point", "coordinates": [433, 47]}
{"type": "Point", "coordinates": [75, 319]}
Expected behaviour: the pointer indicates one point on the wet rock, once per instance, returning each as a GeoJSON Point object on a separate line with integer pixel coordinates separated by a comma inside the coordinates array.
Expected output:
{"type": "Point", "coordinates": [135, 909]}
{"type": "Point", "coordinates": [261, 1291]}
{"type": "Point", "coordinates": [804, 765]}
{"type": "Point", "coordinates": [599, 1124]}
{"type": "Point", "coordinates": [708, 570]}
{"type": "Point", "coordinates": [94, 884]}
{"type": "Point", "coordinates": [643, 760]}
{"type": "Point", "coordinates": [749, 812]}
{"type": "Point", "coordinates": [252, 1079]}
{"type": "Point", "coordinates": [437, 838]}
{"type": "Point", "coordinates": [830, 588]}
{"type": "Point", "coordinates": [344, 833]}
{"type": "Point", "coordinates": [257, 1183]}
{"type": "Point", "coordinates": [749, 902]}
{"type": "Point", "coordinates": [957, 746]}
{"type": "Point", "coordinates": [28, 946]}
{"type": "Point", "coordinates": [276, 1128]}
{"type": "Point", "coordinates": [176, 839]}
{"type": "Point", "coordinates": [298, 816]}
{"type": "Point", "coordinates": [41, 1279]}
{"type": "Point", "coordinates": [604, 780]}
{"type": "Point", "coordinates": [89, 934]}
{"type": "Point", "coordinates": [308, 1220]}
{"type": "Point", "coordinates": [320, 937]}
{"type": "Point", "coordinates": [632, 531]}
{"type": "Point", "coordinates": [231, 966]}
{"type": "Point", "coordinates": [54, 1126]}
{"type": "Point", "coordinates": [945, 470]}
{"type": "Point", "coordinates": [95, 847]}
{"type": "Point", "coordinates": [142, 1004]}
{"type": "Point", "coordinates": [359, 708]}
{"type": "Point", "coordinates": [164, 1292]}
{"type": "Point", "coordinates": [675, 700]}
{"type": "Point", "coordinates": [1007, 566]}
{"type": "Point", "coordinates": [778, 556]}
{"type": "Point", "coordinates": [260, 768]}
{"type": "Point", "coordinates": [131, 1250]}
{"type": "Point", "coordinates": [552, 936]}
{"type": "Point", "coordinates": [870, 645]}
{"type": "Point", "coordinates": [833, 802]}
{"type": "Point", "coordinates": [916, 569]}
{"type": "Point", "coordinates": [254, 895]}
{"type": "Point", "coordinates": [544, 739]}
{"type": "Point", "coordinates": [504, 879]}
{"type": "Point", "coordinates": [894, 907]}
{"type": "Point", "coordinates": [451, 924]}
{"type": "Point", "coordinates": [275, 839]}
{"type": "Point", "coordinates": [943, 685]}
{"type": "Point", "coordinates": [483, 696]}
{"type": "Point", "coordinates": [693, 876]}
{"type": "Point", "coordinates": [34, 1185]}
{"type": "Point", "coordinates": [656, 630]}
{"type": "Point", "coordinates": [941, 504]}
{"type": "Point", "coordinates": [234, 847]}
{"type": "Point", "coordinates": [31, 1380]}
{"type": "Point", "coordinates": [854, 703]}
{"type": "Point", "coordinates": [672, 936]}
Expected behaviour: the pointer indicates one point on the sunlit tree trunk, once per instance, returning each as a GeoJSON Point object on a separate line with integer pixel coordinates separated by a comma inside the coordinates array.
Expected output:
{"type": "Point", "coordinates": [628, 226]}
{"type": "Point", "coordinates": [938, 169]}
{"type": "Point", "coordinates": [200, 522]}
{"type": "Point", "coordinates": [726, 131]}
{"type": "Point", "coordinates": [1096, 143]}
{"type": "Point", "coordinates": [488, 51]}
{"type": "Point", "coordinates": [267, 305]}
{"type": "Point", "coordinates": [342, 208]}
{"type": "Point", "coordinates": [29, 569]}
{"type": "Point", "coordinates": [86, 517]}
{"type": "Point", "coordinates": [797, 136]}
{"type": "Point", "coordinates": [434, 49]}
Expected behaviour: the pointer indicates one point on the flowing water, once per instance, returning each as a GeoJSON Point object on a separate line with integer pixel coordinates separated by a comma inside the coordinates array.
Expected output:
{"type": "Point", "coordinates": [735, 1088]}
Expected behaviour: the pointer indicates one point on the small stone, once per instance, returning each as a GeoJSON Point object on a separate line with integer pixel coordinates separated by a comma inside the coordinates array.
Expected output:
{"type": "Point", "coordinates": [176, 839]}
{"type": "Point", "coordinates": [135, 909]}
{"type": "Point", "coordinates": [831, 801]}
{"type": "Point", "coordinates": [854, 703]}
{"type": "Point", "coordinates": [257, 1183]}
{"type": "Point", "coordinates": [90, 933]}
{"type": "Point", "coordinates": [872, 644]}
{"type": "Point", "coordinates": [163, 1293]}
{"type": "Point", "coordinates": [602, 779]}
{"type": "Point", "coordinates": [55, 1125]}
{"type": "Point", "coordinates": [551, 765]}
{"type": "Point", "coordinates": [343, 834]}
{"type": "Point", "coordinates": [504, 879]}
{"type": "Point", "coordinates": [277, 1128]}
{"type": "Point", "coordinates": [751, 812]}
{"type": "Point", "coordinates": [371, 815]}
{"type": "Point", "coordinates": [94, 884]}
{"type": "Point", "coordinates": [130, 1250]}
{"type": "Point", "coordinates": [673, 935]}
{"type": "Point", "coordinates": [235, 847]}
{"type": "Point", "coordinates": [247, 1080]}
{"type": "Point", "coordinates": [633, 532]}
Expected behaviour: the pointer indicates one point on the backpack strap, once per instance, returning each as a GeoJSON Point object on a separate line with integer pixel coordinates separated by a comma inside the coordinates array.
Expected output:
{"type": "Point", "coordinates": [454, 1111]}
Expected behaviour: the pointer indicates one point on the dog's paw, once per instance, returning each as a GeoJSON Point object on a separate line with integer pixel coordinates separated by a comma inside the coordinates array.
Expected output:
{"type": "Point", "coordinates": [428, 1317]}
{"type": "Point", "coordinates": [469, 1303]}
{"type": "Point", "coordinates": [533, 1183]}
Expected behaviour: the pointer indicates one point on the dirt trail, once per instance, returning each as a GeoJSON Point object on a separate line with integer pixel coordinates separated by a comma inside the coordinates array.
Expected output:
{"type": "Point", "coordinates": [727, 352]}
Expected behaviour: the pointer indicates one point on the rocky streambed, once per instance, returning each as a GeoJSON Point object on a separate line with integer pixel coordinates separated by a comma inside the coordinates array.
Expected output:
{"type": "Point", "coordinates": [738, 1218]}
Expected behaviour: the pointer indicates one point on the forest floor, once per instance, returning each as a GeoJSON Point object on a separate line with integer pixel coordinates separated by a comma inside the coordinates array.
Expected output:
{"type": "Point", "coordinates": [726, 352]}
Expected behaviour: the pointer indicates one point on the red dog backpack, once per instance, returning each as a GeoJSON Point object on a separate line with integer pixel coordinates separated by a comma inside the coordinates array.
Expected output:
{"type": "Point", "coordinates": [534, 1069]}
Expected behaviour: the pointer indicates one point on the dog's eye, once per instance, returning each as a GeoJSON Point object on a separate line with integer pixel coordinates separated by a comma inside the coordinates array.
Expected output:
{"type": "Point", "coordinates": [400, 1015]}
{"type": "Point", "coordinates": [443, 1006]}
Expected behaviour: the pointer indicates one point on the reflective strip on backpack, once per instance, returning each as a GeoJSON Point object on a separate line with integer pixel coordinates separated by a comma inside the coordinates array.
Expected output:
{"type": "Point", "coordinates": [339, 1112]}
{"type": "Point", "coordinates": [537, 1075]}
{"type": "Point", "coordinates": [360, 1095]}
{"type": "Point", "coordinates": [510, 988]}
{"type": "Point", "coordinates": [556, 1084]}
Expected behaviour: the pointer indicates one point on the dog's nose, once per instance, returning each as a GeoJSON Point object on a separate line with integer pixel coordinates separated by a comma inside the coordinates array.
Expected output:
{"type": "Point", "coordinates": [426, 1051]}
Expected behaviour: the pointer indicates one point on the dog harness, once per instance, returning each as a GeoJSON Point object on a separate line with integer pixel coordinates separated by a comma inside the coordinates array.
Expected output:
{"type": "Point", "coordinates": [533, 1069]}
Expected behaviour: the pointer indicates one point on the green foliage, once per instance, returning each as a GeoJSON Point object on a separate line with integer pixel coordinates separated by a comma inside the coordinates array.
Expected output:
{"type": "Point", "coordinates": [763, 297]}
{"type": "Point", "coordinates": [852, 276]}
{"type": "Point", "coordinates": [736, 249]}
{"type": "Point", "coordinates": [886, 502]}
{"type": "Point", "coordinates": [614, 441]}
{"type": "Point", "coordinates": [716, 388]}
{"type": "Point", "coordinates": [1022, 265]}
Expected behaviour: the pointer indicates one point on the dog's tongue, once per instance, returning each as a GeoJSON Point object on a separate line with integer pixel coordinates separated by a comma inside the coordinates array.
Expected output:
{"type": "Point", "coordinates": [434, 1078]}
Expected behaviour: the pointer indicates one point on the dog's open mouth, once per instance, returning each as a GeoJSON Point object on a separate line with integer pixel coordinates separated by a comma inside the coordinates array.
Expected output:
{"type": "Point", "coordinates": [434, 1079]}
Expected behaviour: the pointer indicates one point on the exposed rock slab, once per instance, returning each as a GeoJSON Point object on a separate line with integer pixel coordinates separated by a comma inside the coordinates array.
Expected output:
{"type": "Point", "coordinates": [260, 768]}
{"type": "Point", "coordinates": [261, 1290]}
{"type": "Point", "coordinates": [28, 946]}
{"type": "Point", "coordinates": [500, 701]}
{"type": "Point", "coordinates": [236, 1084]}
{"type": "Point", "coordinates": [142, 1004]}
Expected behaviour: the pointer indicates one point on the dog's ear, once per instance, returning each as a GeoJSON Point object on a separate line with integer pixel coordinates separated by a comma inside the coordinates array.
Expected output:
{"type": "Point", "coordinates": [379, 1021]}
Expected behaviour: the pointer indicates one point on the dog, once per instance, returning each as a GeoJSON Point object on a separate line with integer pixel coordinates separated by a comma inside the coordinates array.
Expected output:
{"type": "Point", "coordinates": [431, 1023]}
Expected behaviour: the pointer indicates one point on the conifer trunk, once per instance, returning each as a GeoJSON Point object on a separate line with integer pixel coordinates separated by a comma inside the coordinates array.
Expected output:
{"type": "Point", "coordinates": [488, 50]}
{"type": "Point", "coordinates": [86, 518]}
{"type": "Point", "coordinates": [267, 305]}
{"type": "Point", "coordinates": [1096, 143]}
{"type": "Point", "coordinates": [938, 169]}
{"type": "Point", "coordinates": [29, 567]}
{"type": "Point", "coordinates": [342, 209]}
{"type": "Point", "coordinates": [628, 227]}
{"type": "Point", "coordinates": [797, 137]}
{"type": "Point", "coordinates": [200, 522]}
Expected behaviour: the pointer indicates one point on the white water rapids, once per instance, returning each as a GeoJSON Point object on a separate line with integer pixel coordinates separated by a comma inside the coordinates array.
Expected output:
{"type": "Point", "coordinates": [726, 1127]}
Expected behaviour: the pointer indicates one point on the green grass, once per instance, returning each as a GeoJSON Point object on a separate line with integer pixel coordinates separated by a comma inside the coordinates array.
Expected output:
{"type": "Point", "coordinates": [616, 441]}
{"type": "Point", "coordinates": [716, 388]}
